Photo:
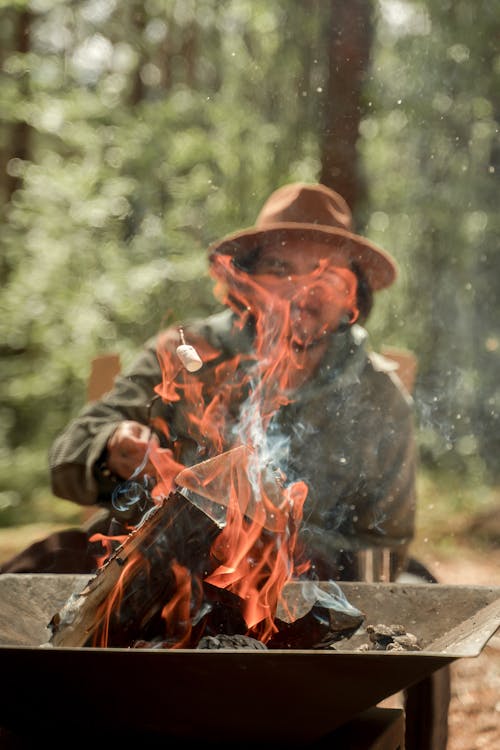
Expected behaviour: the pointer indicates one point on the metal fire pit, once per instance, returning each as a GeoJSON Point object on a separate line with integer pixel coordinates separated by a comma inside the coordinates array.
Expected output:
{"type": "Point", "coordinates": [289, 696]}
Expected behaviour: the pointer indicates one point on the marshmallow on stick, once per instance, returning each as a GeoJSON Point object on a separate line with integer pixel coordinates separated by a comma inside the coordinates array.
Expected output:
{"type": "Point", "coordinates": [188, 355]}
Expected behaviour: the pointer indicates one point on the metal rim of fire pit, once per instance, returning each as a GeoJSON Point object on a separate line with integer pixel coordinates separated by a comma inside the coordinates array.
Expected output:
{"type": "Point", "coordinates": [294, 695]}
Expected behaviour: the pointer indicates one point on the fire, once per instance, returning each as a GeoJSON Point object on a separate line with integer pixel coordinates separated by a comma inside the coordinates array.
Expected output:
{"type": "Point", "coordinates": [177, 612]}
{"type": "Point", "coordinates": [108, 543]}
{"type": "Point", "coordinates": [260, 521]}
{"type": "Point", "coordinates": [256, 552]}
{"type": "Point", "coordinates": [257, 564]}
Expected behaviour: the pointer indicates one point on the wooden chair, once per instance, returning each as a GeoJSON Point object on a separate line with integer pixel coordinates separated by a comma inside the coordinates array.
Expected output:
{"type": "Point", "coordinates": [103, 370]}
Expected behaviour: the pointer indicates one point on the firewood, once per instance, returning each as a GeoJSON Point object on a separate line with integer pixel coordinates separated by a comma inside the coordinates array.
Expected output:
{"type": "Point", "coordinates": [125, 600]}
{"type": "Point", "coordinates": [208, 485]}
{"type": "Point", "coordinates": [165, 584]}
{"type": "Point", "coordinates": [120, 601]}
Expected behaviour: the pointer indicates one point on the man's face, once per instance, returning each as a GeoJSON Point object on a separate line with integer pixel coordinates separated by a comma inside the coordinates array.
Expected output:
{"type": "Point", "coordinates": [316, 282]}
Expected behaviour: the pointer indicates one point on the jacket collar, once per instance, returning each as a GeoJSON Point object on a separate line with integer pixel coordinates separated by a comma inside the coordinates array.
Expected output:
{"type": "Point", "coordinates": [345, 357]}
{"type": "Point", "coordinates": [343, 362]}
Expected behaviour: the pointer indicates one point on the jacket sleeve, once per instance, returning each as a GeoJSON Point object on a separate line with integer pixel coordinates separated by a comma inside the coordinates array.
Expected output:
{"type": "Point", "coordinates": [74, 455]}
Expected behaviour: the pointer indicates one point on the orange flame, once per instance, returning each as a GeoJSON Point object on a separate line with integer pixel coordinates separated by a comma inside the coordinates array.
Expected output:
{"type": "Point", "coordinates": [255, 564]}
{"type": "Point", "coordinates": [107, 542]}
{"type": "Point", "coordinates": [255, 553]}
{"type": "Point", "coordinates": [112, 603]}
{"type": "Point", "coordinates": [177, 612]}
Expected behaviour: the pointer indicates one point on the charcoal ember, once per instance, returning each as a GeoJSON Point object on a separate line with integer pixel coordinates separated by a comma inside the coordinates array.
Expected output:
{"type": "Point", "coordinates": [397, 630]}
{"type": "Point", "coordinates": [394, 646]}
{"type": "Point", "coordinates": [313, 615]}
{"type": "Point", "coordinates": [318, 629]}
{"type": "Point", "coordinates": [380, 635]}
{"type": "Point", "coordinates": [224, 613]}
{"type": "Point", "coordinates": [406, 642]}
{"type": "Point", "coordinates": [157, 644]}
{"type": "Point", "coordinates": [389, 638]}
{"type": "Point", "coordinates": [236, 641]}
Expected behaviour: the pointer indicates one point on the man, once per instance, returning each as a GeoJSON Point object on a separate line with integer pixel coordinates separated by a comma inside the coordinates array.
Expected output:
{"type": "Point", "coordinates": [285, 370]}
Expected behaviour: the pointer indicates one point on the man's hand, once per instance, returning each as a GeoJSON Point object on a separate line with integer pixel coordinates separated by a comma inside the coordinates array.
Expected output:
{"type": "Point", "coordinates": [127, 448]}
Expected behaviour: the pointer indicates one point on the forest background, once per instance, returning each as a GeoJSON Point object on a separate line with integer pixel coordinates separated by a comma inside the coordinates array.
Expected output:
{"type": "Point", "coordinates": [133, 134]}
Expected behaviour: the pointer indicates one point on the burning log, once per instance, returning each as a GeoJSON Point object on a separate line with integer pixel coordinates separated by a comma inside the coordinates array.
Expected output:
{"type": "Point", "coordinates": [206, 485]}
{"type": "Point", "coordinates": [329, 619]}
{"type": "Point", "coordinates": [177, 577]}
{"type": "Point", "coordinates": [159, 568]}
{"type": "Point", "coordinates": [129, 591]}
{"type": "Point", "coordinates": [307, 617]}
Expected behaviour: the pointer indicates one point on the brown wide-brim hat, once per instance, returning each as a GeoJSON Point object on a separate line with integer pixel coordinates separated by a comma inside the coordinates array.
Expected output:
{"type": "Point", "coordinates": [315, 213]}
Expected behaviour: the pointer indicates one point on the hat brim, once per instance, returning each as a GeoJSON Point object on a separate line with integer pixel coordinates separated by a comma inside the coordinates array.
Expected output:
{"type": "Point", "coordinates": [377, 265]}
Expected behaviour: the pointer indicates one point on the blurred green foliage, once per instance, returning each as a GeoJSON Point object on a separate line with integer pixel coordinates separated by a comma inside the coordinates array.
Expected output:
{"type": "Point", "coordinates": [151, 129]}
{"type": "Point", "coordinates": [432, 152]}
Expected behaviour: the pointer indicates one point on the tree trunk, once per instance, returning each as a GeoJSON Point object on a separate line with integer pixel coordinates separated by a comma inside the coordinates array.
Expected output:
{"type": "Point", "coordinates": [349, 53]}
{"type": "Point", "coordinates": [138, 19]}
{"type": "Point", "coordinates": [17, 140]}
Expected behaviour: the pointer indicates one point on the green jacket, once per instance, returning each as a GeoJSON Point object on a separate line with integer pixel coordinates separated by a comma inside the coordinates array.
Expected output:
{"type": "Point", "coordinates": [348, 434]}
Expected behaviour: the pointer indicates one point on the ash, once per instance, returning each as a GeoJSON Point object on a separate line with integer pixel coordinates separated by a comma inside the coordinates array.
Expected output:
{"type": "Point", "coordinates": [389, 638]}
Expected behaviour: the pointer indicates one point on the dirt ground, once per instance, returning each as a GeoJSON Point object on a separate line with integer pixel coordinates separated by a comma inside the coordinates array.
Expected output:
{"type": "Point", "coordinates": [474, 716]}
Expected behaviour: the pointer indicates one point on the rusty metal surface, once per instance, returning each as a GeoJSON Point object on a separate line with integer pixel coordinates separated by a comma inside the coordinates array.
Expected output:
{"type": "Point", "coordinates": [293, 696]}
